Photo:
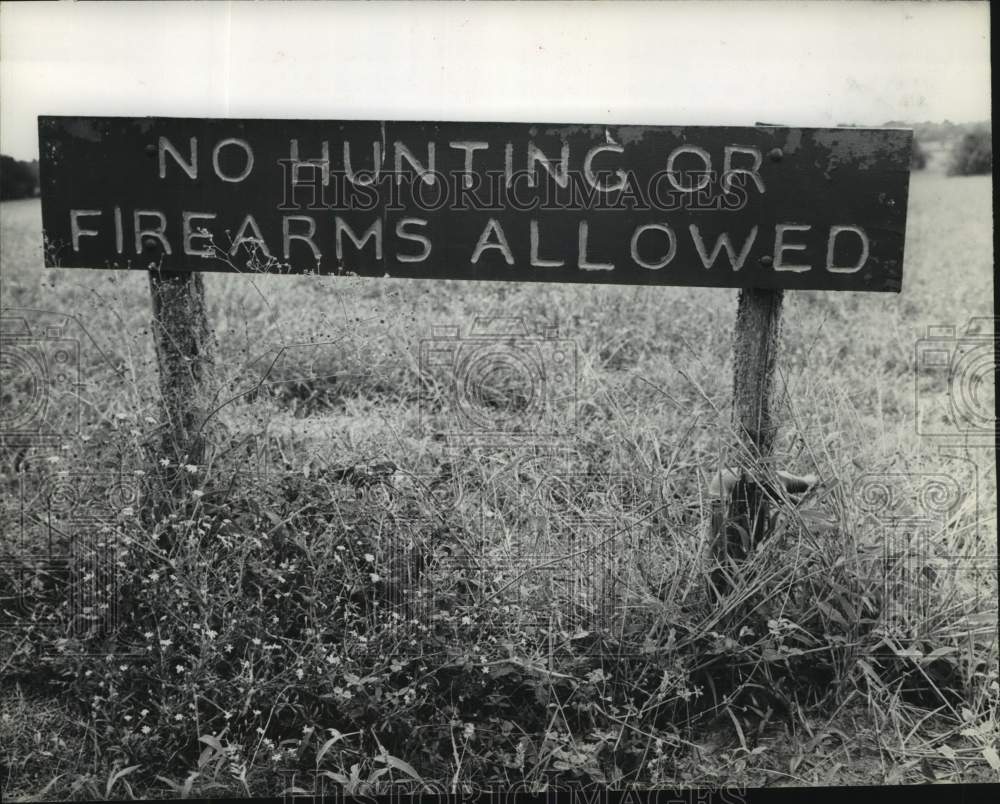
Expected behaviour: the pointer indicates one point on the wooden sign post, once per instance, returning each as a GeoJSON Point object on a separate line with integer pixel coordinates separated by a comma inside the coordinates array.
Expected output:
{"type": "Point", "coordinates": [765, 209]}
{"type": "Point", "coordinates": [182, 335]}
{"type": "Point", "coordinates": [756, 340]}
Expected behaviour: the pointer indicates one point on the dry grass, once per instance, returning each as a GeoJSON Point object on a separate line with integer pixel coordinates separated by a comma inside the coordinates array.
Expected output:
{"type": "Point", "coordinates": [554, 626]}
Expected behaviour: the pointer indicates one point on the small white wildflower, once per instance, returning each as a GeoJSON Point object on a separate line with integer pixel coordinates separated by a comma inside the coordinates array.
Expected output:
{"type": "Point", "coordinates": [369, 557]}
{"type": "Point", "coordinates": [375, 577]}
{"type": "Point", "coordinates": [144, 712]}
{"type": "Point", "coordinates": [466, 620]}
{"type": "Point", "coordinates": [146, 730]}
{"type": "Point", "coordinates": [178, 716]}
{"type": "Point", "coordinates": [299, 673]}
{"type": "Point", "coordinates": [198, 493]}
{"type": "Point", "coordinates": [164, 461]}
{"type": "Point", "coordinates": [191, 469]}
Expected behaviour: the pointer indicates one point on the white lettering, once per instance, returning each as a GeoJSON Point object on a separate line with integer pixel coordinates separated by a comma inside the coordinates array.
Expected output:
{"type": "Point", "coordinates": [247, 150]}
{"type": "Point", "coordinates": [723, 242]}
{"type": "Point", "coordinates": [375, 230]}
{"type": "Point", "coordinates": [671, 250]}
{"type": "Point", "coordinates": [413, 237]}
{"type": "Point", "coordinates": [780, 246]}
{"type": "Point", "coordinates": [728, 171]}
{"type": "Point", "coordinates": [376, 164]}
{"type": "Point", "coordinates": [582, 261]}
{"type": "Point", "coordinates": [322, 163]}
{"type": "Point", "coordinates": [536, 261]}
{"type": "Point", "coordinates": [836, 231]}
{"type": "Point", "coordinates": [703, 181]}
{"type": "Point", "coordinates": [588, 171]}
{"type": "Point", "coordinates": [469, 148]}
{"type": "Point", "coordinates": [191, 167]}
{"type": "Point", "coordinates": [256, 238]}
{"type": "Point", "coordinates": [140, 232]}
{"type": "Point", "coordinates": [287, 235]}
{"type": "Point", "coordinates": [119, 231]}
{"type": "Point", "coordinates": [425, 173]}
{"type": "Point", "coordinates": [501, 242]}
{"type": "Point", "coordinates": [74, 225]}
{"type": "Point", "coordinates": [190, 233]}
{"type": "Point", "coordinates": [536, 157]}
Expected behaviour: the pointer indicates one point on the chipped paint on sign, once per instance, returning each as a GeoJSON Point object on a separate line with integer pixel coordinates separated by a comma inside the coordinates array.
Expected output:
{"type": "Point", "coordinates": [761, 206]}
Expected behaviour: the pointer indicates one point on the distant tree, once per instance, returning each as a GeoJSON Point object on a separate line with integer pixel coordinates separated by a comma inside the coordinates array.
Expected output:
{"type": "Point", "coordinates": [918, 157]}
{"type": "Point", "coordinates": [17, 179]}
{"type": "Point", "coordinates": [973, 154]}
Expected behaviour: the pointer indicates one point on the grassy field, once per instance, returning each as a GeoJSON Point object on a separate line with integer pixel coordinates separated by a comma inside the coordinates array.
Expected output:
{"type": "Point", "coordinates": [523, 613]}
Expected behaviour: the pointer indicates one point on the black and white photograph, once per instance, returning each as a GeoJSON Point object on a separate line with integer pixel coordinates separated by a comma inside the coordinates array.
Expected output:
{"type": "Point", "coordinates": [476, 400]}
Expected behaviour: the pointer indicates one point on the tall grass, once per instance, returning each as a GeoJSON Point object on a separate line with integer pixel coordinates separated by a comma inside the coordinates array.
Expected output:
{"type": "Point", "coordinates": [338, 593]}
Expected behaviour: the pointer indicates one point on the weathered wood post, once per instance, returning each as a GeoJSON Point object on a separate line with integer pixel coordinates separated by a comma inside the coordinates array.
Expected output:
{"type": "Point", "coordinates": [739, 522]}
{"type": "Point", "coordinates": [182, 350]}
{"type": "Point", "coordinates": [756, 342]}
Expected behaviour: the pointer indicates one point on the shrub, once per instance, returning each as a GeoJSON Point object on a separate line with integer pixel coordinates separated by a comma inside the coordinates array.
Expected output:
{"type": "Point", "coordinates": [17, 179]}
{"type": "Point", "coordinates": [973, 154]}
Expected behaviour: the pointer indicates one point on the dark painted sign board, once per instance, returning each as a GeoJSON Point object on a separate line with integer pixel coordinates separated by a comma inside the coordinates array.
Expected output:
{"type": "Point", "coordinates": [763, 206]}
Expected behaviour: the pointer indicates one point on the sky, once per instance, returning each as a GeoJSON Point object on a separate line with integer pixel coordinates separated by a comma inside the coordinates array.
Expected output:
{"type": "Point", "coordinates": [715, 63]}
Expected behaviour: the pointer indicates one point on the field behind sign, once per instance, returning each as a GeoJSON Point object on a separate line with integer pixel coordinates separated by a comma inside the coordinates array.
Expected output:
{"type": "Point", "coordinates": [651, 383]}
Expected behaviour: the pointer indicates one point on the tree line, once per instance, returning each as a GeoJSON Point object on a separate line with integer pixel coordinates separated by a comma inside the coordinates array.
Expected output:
{"type": "Point", "coordinates": [17, 179]}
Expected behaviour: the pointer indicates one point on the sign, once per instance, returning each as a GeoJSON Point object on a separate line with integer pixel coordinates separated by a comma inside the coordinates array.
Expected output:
{"type": "Point", "coordinates": [766, 206]}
